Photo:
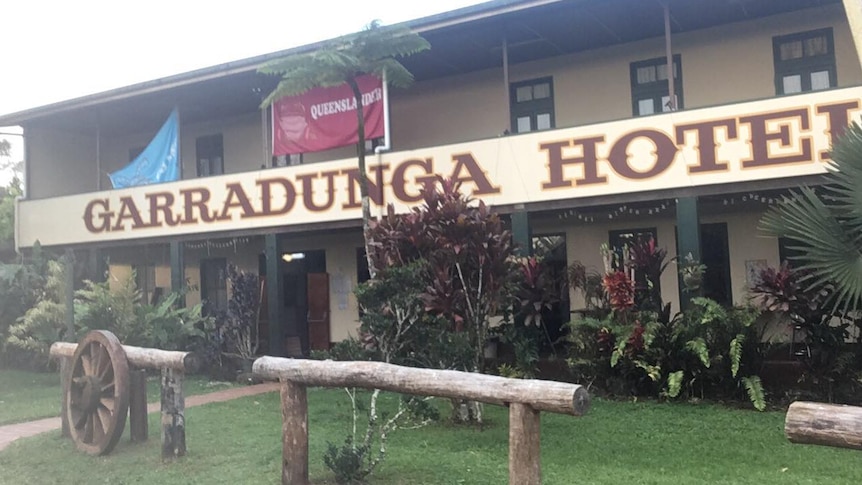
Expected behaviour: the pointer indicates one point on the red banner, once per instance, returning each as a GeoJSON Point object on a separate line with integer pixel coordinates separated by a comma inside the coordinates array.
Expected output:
{"type": "Point", "coordinates": [325, 118]}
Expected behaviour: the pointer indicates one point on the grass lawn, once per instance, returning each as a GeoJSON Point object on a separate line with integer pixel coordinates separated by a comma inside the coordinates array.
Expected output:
{"type": "Point", "coordinates": [25, 396]}
{"type": "Point", "coordinates": [616, 443]}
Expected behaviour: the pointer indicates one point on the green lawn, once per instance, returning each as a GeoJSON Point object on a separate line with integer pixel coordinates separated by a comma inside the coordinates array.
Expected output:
{"type": "Point", "coordinates": [25, 396]}
{"type": "Point", "coordinates": [616, 443]}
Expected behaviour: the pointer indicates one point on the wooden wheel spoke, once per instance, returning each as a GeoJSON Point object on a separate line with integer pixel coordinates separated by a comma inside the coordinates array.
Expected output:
{"type": "Point", "coordinates": [108, 403]}
{"type": "Point", "coordinates": [88, 428]}
{"type": "Point", "coordinates": [87, 364]}
{"type": "Point", "coordinates": [100, 427]}
{"type": "Point", "coordinates": [108, 388]}
{"type": "Point", "coordinates": [104, 416]}
{"type": "Point", "coordinates": [105, 365]}
{"type": "Point", "coordinates": [79, 418]}
{"type": "Point", "coordinates": [95, 357]}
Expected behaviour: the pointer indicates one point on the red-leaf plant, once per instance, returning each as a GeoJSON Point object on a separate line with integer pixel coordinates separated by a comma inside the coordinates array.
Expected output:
{"type": "Point", "coordinates": [620, 290]}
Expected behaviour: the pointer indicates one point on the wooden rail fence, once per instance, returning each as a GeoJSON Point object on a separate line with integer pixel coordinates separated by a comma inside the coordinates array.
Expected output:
{"type": "Point", "coordinates": [525, 399]}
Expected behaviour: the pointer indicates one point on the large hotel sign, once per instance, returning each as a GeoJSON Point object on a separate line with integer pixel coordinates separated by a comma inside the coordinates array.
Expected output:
{"type": "Point", "coordinates": [774, 138]}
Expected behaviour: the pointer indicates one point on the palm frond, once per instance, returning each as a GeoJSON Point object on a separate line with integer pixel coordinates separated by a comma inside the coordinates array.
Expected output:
{"type": "Point", "coordinates": [830, 246]}
{"type": "Point", "coordinates": [846, 176]}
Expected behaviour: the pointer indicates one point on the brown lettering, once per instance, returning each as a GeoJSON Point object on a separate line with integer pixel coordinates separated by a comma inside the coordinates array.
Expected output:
{"type": "Point", "coordinates": [267, 196]}
{"type": "Point", "coordinates": [706, 146]}
{"type": "Point", "coordinates": [104, 216]}
{"type": "Point", "coordinates": [128, 210]}
{"type": "Point", "coordinates": [556, 162]}
{"type": "Point", "coordinates": [308, 191]}
{"type": "Point", "coordinates": [399, 179]}
{"type": "Point", "coordinates": [375, 189]}
{"type": "Point", "coordinates": [838, 117]}
{"type": "Point", "coordinates": [665, 151]}
{"type": "Point", "coordinates": [760, 138]}
{"type": "Point", "coordinates": [191, 203]}
{"type": "Point", "coordinates": [236, 197]}
{"type": "Point", "coordinates": [161, 202]}
{"type": "Point", "coordinates": [475, 174]}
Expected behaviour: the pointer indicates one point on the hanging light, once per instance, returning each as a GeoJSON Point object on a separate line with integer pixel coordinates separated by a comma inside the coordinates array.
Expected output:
{"type": "Point", "coordinates": [288, 257]}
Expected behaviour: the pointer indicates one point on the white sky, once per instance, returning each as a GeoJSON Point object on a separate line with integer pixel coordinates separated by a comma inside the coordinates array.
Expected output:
{"type": "Point", "coordinates": [53, 50]}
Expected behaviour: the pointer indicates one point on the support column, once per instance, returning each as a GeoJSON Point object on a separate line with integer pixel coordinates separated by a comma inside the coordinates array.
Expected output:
{"type": "Point", "coordinates": [273, 295]}
{"type": "Point", "coordinates": [687, 237]}
{"type": "Point", "coordinates": [178, 269]}
{"type": "Point", "coordinates": [521, 233]}
{"type": "Point", "coordinates": [96, 269]}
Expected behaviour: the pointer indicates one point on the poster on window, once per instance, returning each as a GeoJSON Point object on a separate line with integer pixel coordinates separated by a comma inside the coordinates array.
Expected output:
{"type": "Point", "coordinates": [325, 118]}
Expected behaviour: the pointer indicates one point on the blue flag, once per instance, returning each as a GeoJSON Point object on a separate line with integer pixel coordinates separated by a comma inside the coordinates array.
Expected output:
{"type": "Point", "coordinates": [157, 163]}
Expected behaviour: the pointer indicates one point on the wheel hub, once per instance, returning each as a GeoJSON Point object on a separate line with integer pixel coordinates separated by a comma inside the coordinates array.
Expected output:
{"type": "Point", "coordinates": [91, 393]}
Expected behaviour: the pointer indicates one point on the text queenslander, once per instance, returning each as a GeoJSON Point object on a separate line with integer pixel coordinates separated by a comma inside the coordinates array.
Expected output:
{"type": "Point", "coordinates": [567, 163]}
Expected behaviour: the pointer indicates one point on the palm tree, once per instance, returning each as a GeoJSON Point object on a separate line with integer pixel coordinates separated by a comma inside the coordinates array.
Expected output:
{"type": "Point", "coordinates": [374, 50]}
{"type": "Point", "coordinates": [826, 224]}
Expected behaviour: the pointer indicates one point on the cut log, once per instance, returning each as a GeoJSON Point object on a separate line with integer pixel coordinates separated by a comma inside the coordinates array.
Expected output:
{"type": "Point", "coordinates": [824, 424]}
{"type": "Point", "coordinates": [525, 456]}
{"type": "Point", "coordinates": [294, 434]}
{"type": "Point", "coordinates": [555, 397]}
{"type": "Point", "coordinates": [140, 357]}
{"type": "Point", "coordinates": [173, 415]}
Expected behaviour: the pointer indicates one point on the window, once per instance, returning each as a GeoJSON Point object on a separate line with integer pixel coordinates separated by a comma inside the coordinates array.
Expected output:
{"type": "Point", "coordinates": [619, 242]}
{"type": "Point", "coordinates": [804, 62]}
{"type": "Point", "coordinates": [287, 160]}
{"type": "Point", "coordinates": [650, 91]}
{"type": "Point", "coordinates": [145, 280]}
{"type": "Point", "coordinates": [214, 285]}
{"type": "Point", "coordinates": [210, 155]}
{"type": "Point", "coordinates": [532, 105]}
{"type": "Point", "coordinates": [372, 144]}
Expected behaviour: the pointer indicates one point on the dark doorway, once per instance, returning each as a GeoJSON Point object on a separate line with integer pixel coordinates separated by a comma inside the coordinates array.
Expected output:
{"type": "Point", "coordinates": [715, 254]}
{"type": "Point", "coordinates": [551, 251]}
{"type": "Point", "coordinates": [297, 267]}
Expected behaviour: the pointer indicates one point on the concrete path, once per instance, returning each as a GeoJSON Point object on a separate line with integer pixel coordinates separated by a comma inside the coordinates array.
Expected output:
{"type": "Point", "coordinates": [12, 432]}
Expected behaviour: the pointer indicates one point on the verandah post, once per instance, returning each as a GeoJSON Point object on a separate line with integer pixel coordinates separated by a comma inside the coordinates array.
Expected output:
{"type": "Point", "coordinates": [294, 434]}
{"type": "Point", "coordinates": [525, 457]}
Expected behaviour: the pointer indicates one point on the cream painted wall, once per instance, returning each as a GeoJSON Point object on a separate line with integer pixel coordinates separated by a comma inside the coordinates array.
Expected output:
{"type": "Point", "coordinates": [721, 65]}
{"type": "Point", "coordinates": [60, 163]}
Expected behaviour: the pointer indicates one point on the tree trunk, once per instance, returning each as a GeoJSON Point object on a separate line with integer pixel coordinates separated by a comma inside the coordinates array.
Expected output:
{"type": "Point", "coordinates": [363, 174]}
{"type": "Point", "coordinates": [139, 357]}
{"type": "Point", "coordinates": [824, 424]}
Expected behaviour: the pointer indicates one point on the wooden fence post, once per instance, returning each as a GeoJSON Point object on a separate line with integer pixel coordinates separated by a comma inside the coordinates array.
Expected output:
{"type": "Point", "coordinates": [65, 372]}
{"type": "Point", "coordinates": [173, 414]}
{"type": "Point", "coordinates": [525, 458]}
{"type": "Point", "coordinates": [138, 427]}
{"type": "Point", "coordinates": [294, 434]}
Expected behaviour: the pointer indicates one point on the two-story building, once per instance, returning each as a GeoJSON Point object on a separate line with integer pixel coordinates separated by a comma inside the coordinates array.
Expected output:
{"type": "Point", "coordinates": [562, 114]}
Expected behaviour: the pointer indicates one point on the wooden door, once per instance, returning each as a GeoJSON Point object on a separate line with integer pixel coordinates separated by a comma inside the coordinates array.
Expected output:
{"type": "Point", "coordinates": [318, 311]}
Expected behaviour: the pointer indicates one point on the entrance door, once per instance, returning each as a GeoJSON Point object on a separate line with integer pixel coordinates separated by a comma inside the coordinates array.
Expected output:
{"type": "Point", "coordinates": [318, 311]}
{"type": "Point", "coordinates": [714, 253]}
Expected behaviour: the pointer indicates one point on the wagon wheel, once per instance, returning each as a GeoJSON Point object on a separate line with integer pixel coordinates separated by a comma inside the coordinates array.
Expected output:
{"type": "Point", "coordinates": [97, 398]}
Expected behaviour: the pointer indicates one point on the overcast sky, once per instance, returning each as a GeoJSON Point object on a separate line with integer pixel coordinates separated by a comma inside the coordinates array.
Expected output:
{"type": "Point", "coordinates": [53, 50]}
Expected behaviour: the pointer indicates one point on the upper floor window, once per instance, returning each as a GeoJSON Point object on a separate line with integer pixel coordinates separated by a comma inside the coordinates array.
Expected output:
{"type": "Point", "coordinates": [209, 151]}
{"type": "Point", "coordinates": [804, 61]}
{"type": "Point", "coordinates": [287, 160]}
{"type": "Point", "coordinates": [650, 90]}
{"type": "Point", "coordinates": [532, 105]}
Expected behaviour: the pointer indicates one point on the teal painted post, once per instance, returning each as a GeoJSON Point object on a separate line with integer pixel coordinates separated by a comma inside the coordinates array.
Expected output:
{"type": "Point", "coordinates": [521, 232]}
{"type": "Point", "coordinates": [688, 238]}
{"type": "Point", "coordinates": [273, 295]}
{"type": "Point", "coordinates": [178, 269]}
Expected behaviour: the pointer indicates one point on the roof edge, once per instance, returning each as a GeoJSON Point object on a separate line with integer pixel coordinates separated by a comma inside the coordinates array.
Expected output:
{"type": "Point", "coordinates": [420, 25]}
